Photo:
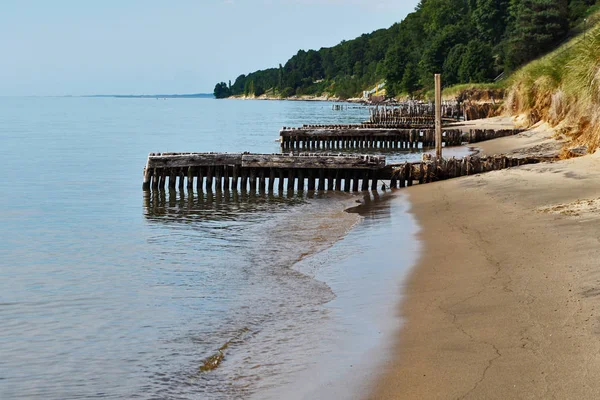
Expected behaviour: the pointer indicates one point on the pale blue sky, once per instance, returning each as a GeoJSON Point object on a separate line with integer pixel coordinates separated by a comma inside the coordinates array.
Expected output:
{"type": "Point", "coordinates": [59, 47]}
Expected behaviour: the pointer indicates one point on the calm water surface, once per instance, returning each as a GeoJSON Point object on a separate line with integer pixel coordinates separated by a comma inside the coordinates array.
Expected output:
{"type": "Point", "coordinates": [107, 293]}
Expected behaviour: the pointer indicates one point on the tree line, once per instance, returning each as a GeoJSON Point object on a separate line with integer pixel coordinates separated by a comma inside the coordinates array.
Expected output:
{"type": "Point", "coordinates": [465, 40]}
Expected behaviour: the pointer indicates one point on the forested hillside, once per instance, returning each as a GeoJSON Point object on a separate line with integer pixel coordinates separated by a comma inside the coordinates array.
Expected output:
{"type": "Point", "coordinates": [466, 40]}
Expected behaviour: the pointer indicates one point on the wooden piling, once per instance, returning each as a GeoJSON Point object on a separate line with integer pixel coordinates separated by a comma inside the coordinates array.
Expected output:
{"type": "Point", "coordinates": [347, 181]}
{"type": "Point", "coordinates": [147, 178]}
{"type": "Point", "coordinates": [244, 180]}
{"type": "Point", "coordinates": [291, 178]}
{"type": "Point", "coordinates": [172, 178]}
{"type": "Point", "coordinates": [235, 177]}
{"type": "Point", "coordinates": [209, 179]}
{"type": "Point", "coordinates": [252, 180]}
{"type": "Point", "coordinates": [199, 179]}
{"type": "Point", "coordinates": [218, 179]}
{"type": "Point", "coordinates": [321, 179]}
{"type": "Point", "coordinates": [311, 180]}
{"type": "Point", "coordinates": [374, 180]}
{"type": "Point", "coordinates": [271, 179]}
{"type": "Point", "coordinates": [262, 185]}
{"type": "Point", "coordinates": [438, 116]}
{"type": "Point", "coordinates": [355, 177]}
{"type": "Point", "coordinates": [338, 181]}
{"type": "Point", "coordinates": [300, 186]}
{"type": "Point", "coordinates": [280, 182]}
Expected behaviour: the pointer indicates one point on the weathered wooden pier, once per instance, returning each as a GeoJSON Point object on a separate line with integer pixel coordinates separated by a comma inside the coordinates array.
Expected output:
{"type": "Point", "coordinates": [359, 138]}
{"type": "Point", "coordinates": [271, 172]}
{"type": "Point", "coordinates": [265, 172]}
{"type": "Point", "coordinates": [394, 113]}
{"type": "Point", "coordinates": [333, 137]}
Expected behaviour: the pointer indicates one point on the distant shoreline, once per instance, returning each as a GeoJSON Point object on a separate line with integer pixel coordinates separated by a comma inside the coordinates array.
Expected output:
{"type": "Point", "coordinates": [152, 96]}
{"type": "Point", "coordinates": [300, 98]}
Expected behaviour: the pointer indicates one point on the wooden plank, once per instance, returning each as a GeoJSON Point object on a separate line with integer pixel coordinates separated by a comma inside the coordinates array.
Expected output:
{"type": "Point", "coordinates": [193, 160]}
{"type": "Point", "coordinates": [312, 161]}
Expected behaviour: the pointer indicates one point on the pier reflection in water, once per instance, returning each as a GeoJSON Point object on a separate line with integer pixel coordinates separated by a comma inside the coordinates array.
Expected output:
{"type": "Point", "coordinates": [217, 205]}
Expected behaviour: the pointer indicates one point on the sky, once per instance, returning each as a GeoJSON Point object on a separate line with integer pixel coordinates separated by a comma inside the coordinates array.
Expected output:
{"type": "Point", "coordinates": [75, 47]}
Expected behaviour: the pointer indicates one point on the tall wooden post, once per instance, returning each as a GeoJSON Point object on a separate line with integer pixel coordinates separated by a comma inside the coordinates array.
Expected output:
{"type": "Point", "coordinates": [438, 116]}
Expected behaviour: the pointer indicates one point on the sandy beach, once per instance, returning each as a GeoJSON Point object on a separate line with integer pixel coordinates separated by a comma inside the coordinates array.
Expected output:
{"type": "Point", "coordinates": [504, 301]}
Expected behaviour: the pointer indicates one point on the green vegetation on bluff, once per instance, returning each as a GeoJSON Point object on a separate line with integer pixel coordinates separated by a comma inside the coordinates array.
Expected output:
{"type": "Point", "coordinates": [466, 40]}
{"type": "Point", "coordinates": [563, 88]}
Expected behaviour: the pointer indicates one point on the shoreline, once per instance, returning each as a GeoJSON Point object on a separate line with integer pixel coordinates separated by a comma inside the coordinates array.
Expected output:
{"type": "Point", "coordinates": [502, 301]}
{"type": "Point", "coordinates": [357, 323]}
{"type": "Point", "coordinates": [325, 99]}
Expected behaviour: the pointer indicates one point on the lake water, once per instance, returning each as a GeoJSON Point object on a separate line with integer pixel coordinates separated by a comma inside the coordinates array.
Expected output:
{"type": "Point", "coordinates": [107, 294]}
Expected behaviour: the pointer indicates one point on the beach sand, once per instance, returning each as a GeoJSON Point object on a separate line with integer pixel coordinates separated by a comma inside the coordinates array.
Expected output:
{"type": "Point", "coordinates": [504, 302]}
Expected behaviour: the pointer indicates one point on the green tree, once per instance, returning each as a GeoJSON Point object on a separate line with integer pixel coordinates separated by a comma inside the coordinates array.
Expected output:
{"type": "Point", "coordinates": [537, 27]}
{"type": "Point", "coordinates": [221, 91]}
{"type": "Point", "coordinates": [489, 19]}
{"type": "Point", "coordinates": [410, 79]}
{"type": "Point", "coordinates": [477, 63]}
{"type": "Point", "coordinates": [452, 64]}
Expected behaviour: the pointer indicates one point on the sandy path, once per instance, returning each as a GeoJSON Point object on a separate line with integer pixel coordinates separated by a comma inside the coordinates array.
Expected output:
{"type": "Point", "coordinates": [505, 301]}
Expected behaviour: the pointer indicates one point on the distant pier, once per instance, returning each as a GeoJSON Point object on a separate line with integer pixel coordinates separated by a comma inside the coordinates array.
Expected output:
{"type": "Point", "coordinates": [363, 136]}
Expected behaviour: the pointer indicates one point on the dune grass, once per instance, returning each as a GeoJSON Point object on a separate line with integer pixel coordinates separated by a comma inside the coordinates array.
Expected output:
{"type": "Point", "coordinates": [562, 88]}
{"type": "Point", "coordinates": [456, 90]}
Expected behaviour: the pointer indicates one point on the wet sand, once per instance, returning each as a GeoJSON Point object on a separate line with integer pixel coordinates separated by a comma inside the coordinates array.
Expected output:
{"type": "Point", "coordinates": [504, 302]}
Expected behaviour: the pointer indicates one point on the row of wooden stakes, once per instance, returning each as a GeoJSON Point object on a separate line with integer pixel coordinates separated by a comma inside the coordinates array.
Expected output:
{"type": "Point", "coordinates": [372, 139]}
{"type": "Point", "coordinates": [432, 169]}
{"type": "Point", "coordinates": [225, 178]}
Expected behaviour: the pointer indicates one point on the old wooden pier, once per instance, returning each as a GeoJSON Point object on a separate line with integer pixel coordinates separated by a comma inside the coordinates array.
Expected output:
{"type": "Point", "coordinates": [270, 172]}
{"type": "Point", "coordinates": [328, 137]}
{"type": "Point", "coordinates": [265, 172]}
{"type": "Point", "coordinates": [359, 138]}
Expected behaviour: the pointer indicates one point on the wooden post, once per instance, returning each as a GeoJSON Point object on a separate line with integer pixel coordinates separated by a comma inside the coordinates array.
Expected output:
{"type": "Point", "coordinates": [347, 181]}
{"type": "Point", "coordinates": [301, 180]}
{"type": "Point", "coordinates": [172, 179]}
{"type": "Point", "coordinates": [226, 180]}
{"type": "Point", "coordinates": [262, 185]}
{"type": "Point", "coordinates": [163, 179]}
{"type": "Point", "coordinates": [280, 181]}
{"type": "Point", "coordinates": [291, 179]}
{"type": "Point", "coordinates": [147, 178]}
{"type": "Point", "coordinates": [234, 180]}
{"type": "Point", "coordinates": [244, 180]}
{"type": "Point", "coordinates": [338, 181]}
{"type": "Point", "coordinates": [330, 183]}
{"type": "Point", "coordinates": [181, 176]}
{"type": "Point", "coordinates": [271, 180]}
{"type": "Point", "coordinates": [209, 179]}
{"type": "Point", "coordinates": [321, 179]}
{"type": "Point", "coordinates": [354, 181]}
{"type": "Point", "coordinates": [253, 180]}
{"type": "Point", "coordinates": [311, 180]}
{"type": "Point", "coordinates": [438, 116]}
{"type": "Point", "coordinates": [374, 180]}
{"type": "Point", "coordinates": [199, 180]}
{"type": "Point", "coordinates": [365, 181]}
